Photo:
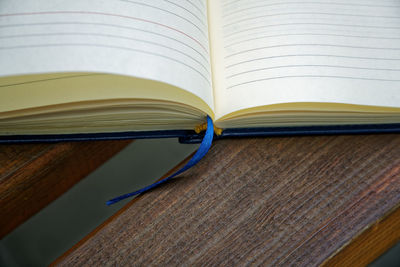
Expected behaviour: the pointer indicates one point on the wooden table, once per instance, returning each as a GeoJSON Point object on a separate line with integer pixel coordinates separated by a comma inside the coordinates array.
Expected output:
{"type": "Point", "coordinates": [265, 201]}
{"type": "Point", "coordinates": [33, 175]}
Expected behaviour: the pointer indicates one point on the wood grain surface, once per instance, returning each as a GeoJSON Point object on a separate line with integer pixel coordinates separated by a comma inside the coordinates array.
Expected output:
{"type": "Point", "coordinates": [33, 175]}
{"type": "Point", "coordinates": [262, 201]}
{"type": "Point", "coordinates": [372, 242]}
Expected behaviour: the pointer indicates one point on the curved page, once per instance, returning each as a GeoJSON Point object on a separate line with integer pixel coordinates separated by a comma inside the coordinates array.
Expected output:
{"type": "Point", "coordinates": [164, 41]}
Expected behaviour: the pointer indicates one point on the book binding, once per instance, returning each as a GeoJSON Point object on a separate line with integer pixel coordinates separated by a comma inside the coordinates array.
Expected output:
{"type": "Point", "coordinates": [190, 136]}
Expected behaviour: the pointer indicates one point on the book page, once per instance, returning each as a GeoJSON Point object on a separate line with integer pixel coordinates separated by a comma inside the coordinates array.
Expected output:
{"type": "Point", "coordinates": [272, 52]}
{"type": "Point", "coordinates": [165, 41]}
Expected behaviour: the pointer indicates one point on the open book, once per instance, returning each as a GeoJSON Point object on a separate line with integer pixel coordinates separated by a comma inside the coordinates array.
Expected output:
{"type": "Point", "coordinates": [69, 67]}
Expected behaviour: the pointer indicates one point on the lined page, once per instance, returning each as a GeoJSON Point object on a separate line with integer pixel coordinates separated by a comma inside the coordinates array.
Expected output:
{"type": "Point", "coordinates": [165, 40]}
{"type": "Point", "coordinates": [308, 51]}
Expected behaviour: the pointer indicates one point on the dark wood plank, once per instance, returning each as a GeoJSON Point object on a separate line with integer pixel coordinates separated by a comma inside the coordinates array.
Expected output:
{"type": "Point", "coordinates": [372, 242]}
{"type": "Point", "coordinates": [33, 175]}
{"type": "Point", "coordinates": [265, 201]}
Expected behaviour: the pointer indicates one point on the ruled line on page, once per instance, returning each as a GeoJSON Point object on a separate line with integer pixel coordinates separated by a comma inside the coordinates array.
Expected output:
{"type": "Point", "coordinates": [197, 7]}
{"type": "Point", "coordinates": [313, 45]}
{"type": "Point", "coordinates": [384, 20]}
{"type": "Point", "coordinates": [247, 19]}
{"type": "Point", "coordinates": [108, 14]}
{"type": "Point", "coordinates": [51, 79]}
{"type": "Point", "coordinates": [231, 4]}
{"type": "Point", "coordinates": [201, 2]}
{"type": "Point", "coordinates": [165, 41]}
{"type": "Point", "coordinates": [243, 9]}
{"type": "Point", "coordinates": [310, 34]}
{"type": "Point", "coordinates": [312, 76]}
{"type": "Point", "coordinates": [280, 51]}
{"type": "Point", "coordinates": [107, 25]}
{"type": "Point", "coordinates": [113, 47]}
{"type": "Point", "coordinates": [310, 55]}
{"type": "Point", "coordinates": [312, 66]}
{"type": "Point", "coordinates": [311, 23]}
{"type": "Point", "coordinates": [205, 67]}
{"type": "Point", "coordinates": [354, 39]}
{"type": "Point", "coordinates": [169, 12]}
{"type": "Point", "coordinates": [189, 12]}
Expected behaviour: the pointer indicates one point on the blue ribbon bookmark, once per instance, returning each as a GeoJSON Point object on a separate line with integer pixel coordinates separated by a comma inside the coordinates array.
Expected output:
{"type": "Point", "coordinates": [201, 152]}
